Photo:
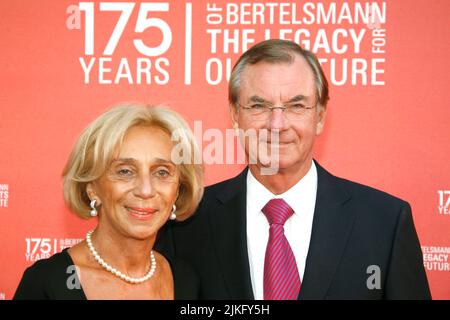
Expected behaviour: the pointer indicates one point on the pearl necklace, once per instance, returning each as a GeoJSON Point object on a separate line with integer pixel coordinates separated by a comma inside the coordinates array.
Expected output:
{"type": "Point", "coordinates": [114, 270]}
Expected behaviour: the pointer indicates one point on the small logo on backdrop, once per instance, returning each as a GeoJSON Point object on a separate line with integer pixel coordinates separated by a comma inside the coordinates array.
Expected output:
{"type": "Point", "coordinates": [4, 195]}
{"type": "Point", "coordinates": [374, 279]}
{"type": "Point", "coordinates": [2, 296]}
{"type": "Point", "coordinates": [42, 248]}
{"type": "Point", "coordinates": [436, 258]}
{"type": "Point", "coordinates": [444, 202]}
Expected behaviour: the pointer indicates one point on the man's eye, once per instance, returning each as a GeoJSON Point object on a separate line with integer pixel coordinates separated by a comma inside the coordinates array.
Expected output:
{"type": "Point", "coordinates": [257, 106]}
{"type": "Point", "coordinates": [298, 107]}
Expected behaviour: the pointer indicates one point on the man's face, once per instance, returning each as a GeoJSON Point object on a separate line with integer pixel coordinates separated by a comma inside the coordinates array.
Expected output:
{"type": "Point", "coordinates": [278, 84]}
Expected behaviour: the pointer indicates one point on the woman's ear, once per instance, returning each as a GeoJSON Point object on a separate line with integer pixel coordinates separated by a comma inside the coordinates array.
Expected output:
{"type": "Point", "coordinates": [90, 190]}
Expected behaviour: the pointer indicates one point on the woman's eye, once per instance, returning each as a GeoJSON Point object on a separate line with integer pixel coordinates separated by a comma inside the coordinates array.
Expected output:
{"type": "Point", "coordinates": [162, 173]}
{"type": "Point", "coordinates": [124, 172]}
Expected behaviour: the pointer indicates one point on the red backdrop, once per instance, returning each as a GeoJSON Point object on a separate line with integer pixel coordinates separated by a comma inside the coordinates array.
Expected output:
{"type": "Point", "coordinates": [63, 63]}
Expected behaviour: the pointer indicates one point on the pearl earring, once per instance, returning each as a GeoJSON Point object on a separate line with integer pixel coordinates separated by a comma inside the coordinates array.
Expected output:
{"type": "Point", "coordinates": [173, 215]}
{"type": "Point", "coordinates": [236, 129]}
{"type": "Point", "coordinates": [93, 212]}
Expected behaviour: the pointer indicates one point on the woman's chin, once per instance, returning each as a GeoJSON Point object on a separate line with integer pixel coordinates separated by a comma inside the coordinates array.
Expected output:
{"type": "Point", "coordinates": [142, 232]}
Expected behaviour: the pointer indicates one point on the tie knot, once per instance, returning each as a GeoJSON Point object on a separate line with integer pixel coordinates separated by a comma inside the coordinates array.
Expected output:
{"type": "Point", "coordinates": [277, 211]}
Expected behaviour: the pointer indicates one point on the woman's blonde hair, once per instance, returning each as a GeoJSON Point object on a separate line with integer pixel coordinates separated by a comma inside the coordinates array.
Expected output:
{"type": "Point", "coordinates": [97, 144]}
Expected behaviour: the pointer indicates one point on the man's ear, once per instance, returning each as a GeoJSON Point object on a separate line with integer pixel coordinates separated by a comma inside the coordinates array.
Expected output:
{"type": "Point", "coordinates": [234, 115]}
{"type": "Point", "coordinates": [322, 115]}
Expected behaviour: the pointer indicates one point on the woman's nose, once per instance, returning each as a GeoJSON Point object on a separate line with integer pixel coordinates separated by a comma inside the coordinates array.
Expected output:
{"type": "Point", "coordinates": [144, 187]}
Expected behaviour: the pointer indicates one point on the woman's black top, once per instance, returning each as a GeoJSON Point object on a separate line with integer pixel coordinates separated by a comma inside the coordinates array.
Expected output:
{"type": "Point", "coordinates": [56, 278]}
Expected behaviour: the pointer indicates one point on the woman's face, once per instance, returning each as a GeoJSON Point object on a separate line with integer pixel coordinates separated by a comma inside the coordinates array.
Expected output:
{"type": "Point", "coordinates": [137, 191]}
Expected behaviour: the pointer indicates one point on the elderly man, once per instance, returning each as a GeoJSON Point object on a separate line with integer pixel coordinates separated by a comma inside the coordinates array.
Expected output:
{"type": "Point", "coordinates": [300, 232]}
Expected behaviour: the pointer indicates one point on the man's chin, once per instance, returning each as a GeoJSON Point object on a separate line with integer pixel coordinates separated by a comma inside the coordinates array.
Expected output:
{"type": "Point", "coordinates": [274, 166]}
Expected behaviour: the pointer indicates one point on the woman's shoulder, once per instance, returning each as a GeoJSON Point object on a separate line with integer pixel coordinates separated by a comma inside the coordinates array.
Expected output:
{"type": "Point", "coordinates": [181, 267]}
{"type": "Point", "coordinates": [46, 278]}
{"type": "Point", "coordinates": [186, 280]}
{"type": "Point", "coordinates": [53, 266]}
{"type": "Point", "coordinates": [52, 263]}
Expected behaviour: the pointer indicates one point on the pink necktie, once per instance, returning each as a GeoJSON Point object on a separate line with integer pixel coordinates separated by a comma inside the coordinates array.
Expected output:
{"type": "Point", "coordinates": [281, 278]}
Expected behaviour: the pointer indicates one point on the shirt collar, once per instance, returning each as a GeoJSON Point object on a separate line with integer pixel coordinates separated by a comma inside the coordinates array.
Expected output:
{"type": "Point", "coordinates": [300, 196]}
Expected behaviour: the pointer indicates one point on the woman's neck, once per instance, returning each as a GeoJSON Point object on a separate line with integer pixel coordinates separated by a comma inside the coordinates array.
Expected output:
{"type": "Point", "coordinates": [128, 255]}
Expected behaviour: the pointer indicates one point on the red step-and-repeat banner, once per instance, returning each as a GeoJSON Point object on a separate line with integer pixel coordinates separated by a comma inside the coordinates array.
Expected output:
{"type": "Point", "coordinates": [64, 62]}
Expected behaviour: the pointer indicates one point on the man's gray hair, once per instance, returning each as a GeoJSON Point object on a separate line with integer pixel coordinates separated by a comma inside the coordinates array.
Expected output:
{"type": "Point", "coordinates": [277, 51]}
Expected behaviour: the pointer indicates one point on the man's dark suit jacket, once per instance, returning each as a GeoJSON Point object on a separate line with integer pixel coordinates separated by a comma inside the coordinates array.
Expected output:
{"type": "Point", "coordinates": [354, 227]}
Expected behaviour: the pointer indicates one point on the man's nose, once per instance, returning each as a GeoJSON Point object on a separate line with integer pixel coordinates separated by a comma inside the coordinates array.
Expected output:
{"type": "Point", "coordinates": [278, 119]}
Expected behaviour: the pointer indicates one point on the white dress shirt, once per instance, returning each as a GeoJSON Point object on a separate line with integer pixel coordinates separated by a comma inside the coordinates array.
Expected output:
{"type": "Point", "coordinates": [302, 199]}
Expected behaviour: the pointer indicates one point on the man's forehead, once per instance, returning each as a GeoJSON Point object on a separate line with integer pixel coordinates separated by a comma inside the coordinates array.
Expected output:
{"type": "Point", "coordinates": [298, 70]}
{"type": "Point", "coordinates": [297, 62]}
{"type": "Point", "coordinates": [283, 85]}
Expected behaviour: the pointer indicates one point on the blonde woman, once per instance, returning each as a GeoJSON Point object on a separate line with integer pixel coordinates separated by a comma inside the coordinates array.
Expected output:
{"type": "Point", "coordinates": [122, 173]}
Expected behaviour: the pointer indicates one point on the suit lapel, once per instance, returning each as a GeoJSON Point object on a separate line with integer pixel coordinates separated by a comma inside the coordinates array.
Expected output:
{"type": "Point", "coordinates": [330, 230]}
{"type": "Point", "coordinates": [331, 227]}
{"type": "Point", "coordinates": [228, 226]}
